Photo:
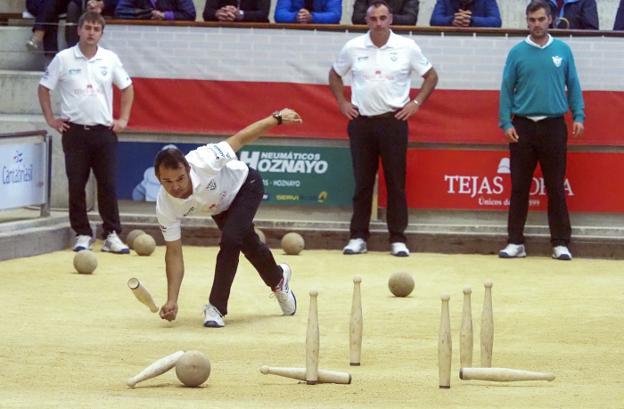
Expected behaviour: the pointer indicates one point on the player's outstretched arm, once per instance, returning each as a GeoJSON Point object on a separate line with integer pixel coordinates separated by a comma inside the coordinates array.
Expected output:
{"type": "Point", "coordinates": [259, 128]}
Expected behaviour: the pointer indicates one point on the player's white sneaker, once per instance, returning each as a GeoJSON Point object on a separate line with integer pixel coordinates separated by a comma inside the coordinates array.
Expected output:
{"type": "Point", "coordinates": [399, 249]}
{"type": "Point", "coordinates": [512, 251]}
{"type": "Point", "coordinates": [561, 253]}
{"type": "Point", "coordinates": [212, 317]}
{"type": "Point", "coordinates": [283, 293]}
{"type": "Point", "coordinates": [83, 242]}
{"type": "Point", "coordinates": [355, 246]}
{"type": "Point", "coordinates": [113, 244]}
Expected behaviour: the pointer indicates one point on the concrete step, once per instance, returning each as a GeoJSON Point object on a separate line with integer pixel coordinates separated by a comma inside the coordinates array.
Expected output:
{"type": "Point", "coordinates": [13, 52]}
{"type": "Point", "coordinates": [19, 93]}
{"type": "Point", "coordinates": [12, 6]}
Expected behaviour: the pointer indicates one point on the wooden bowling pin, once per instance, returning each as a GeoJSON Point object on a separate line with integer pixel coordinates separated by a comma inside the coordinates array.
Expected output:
{"type": "Point", "coordinates": [300, 374]}
{"type": "Point", "coordinates": [445, 347]}
{"type": "Point", "coordinates": [465, 333]}
{"type": "Point", "coordinates": [157, 367]}
{"type": "Point", "coordinates": [487, 327]}
{"type": "Point", "coordinates": [141, 293]}
{"type": "Point", "coordinates": [356, 325]}
{"type": "Point", "coordinates": [503, 375]}
{"type": "Point", "coordinates": [312, 341]}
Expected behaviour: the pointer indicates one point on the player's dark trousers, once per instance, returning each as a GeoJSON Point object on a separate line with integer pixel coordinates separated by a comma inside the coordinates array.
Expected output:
{"type": "Point", "coordinates": [91, 148]}
{"type": "Point", "coordinates": [238, 235]}
{"type": "Point", "coordinates": [371, 138]}
{"type": "Point", "coordinates": [543, 142]}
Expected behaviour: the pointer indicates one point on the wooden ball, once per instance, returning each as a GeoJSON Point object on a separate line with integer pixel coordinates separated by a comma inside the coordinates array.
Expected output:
{"type": "Point", "coordinates": [401, 284]}
{"type": "Point", "coordinates": [144, 245]}
{"type": "Point", "coordinates": [292, 243]}
{"type": "Point", "coordinates": [193, 368]}
{"type": "Point", "coordinates": [260, 234]}
{"type": "Point", "coordinates": [85, 262]}
{"type": "Point", "coordinates": [133, 235]}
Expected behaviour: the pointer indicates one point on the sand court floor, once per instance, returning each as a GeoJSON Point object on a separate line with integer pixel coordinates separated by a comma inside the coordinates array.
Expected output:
{"type": "Point", "coordinates": [72, 341]}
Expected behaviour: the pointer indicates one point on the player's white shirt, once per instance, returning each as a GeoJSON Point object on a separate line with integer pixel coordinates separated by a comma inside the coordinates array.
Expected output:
{"type": "Point", "coordinates": [381, 77]}
{"type": "Point", "coordinates": [216, 175]}
{"type": "Point", "coordinates": [85, 86]}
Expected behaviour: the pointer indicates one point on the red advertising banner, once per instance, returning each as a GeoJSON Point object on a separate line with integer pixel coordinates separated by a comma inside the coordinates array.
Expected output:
{"type": "Point", "coordinates": [480, 180]}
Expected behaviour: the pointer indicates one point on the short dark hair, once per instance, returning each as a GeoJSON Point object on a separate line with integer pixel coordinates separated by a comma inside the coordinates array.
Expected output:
{"type": "Point", "coordinates": [538, 4]}
{"type": "Point", "coordinates": [378, 3]}
{"type": "Point", "coordinates": [92, 17]}
{"type": "Point", "coordinates": [170, 158]}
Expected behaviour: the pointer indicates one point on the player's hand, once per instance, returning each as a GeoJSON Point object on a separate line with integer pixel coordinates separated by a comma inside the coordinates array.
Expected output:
{"type": "Point", "coordinates": [577, 129]}
{"type": "Point", "coordinates": [119, 125]}
{"type": "Point", "coordinates": [512, 135]}
{"type": "Point", "coordinates": [290, 116]}
{"type": "Point", "coordinates": [349, 110]}
{"type": "Point", "coordinates": [408, 110]}
{"type": "Point", "coordinates": [59, 124]}
{"type": "Point", "coordinates": [169, 311]}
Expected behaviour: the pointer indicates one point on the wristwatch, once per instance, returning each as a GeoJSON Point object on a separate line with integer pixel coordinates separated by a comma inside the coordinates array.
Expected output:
{"type": "Point", "coordinates": [277, 115]}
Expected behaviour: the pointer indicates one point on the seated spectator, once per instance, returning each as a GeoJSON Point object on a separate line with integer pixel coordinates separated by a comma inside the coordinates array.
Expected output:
{"type": "Point", "coordinates": [619, 17]}
{"type": "Point", "coordinates": [47, 14]}
{"type": "Point", "coordinates": [404, 12]}
{"type": "Point", "coordinates": [308, 11]}
{"type": "Point", "coordinates": [574, 14]}
{"type": "Point", "coordinates": [466, 13]}
{"type": "Point", "coordinates": [237, 10]}
{"type": "Point", "coordinates": [156, 9]}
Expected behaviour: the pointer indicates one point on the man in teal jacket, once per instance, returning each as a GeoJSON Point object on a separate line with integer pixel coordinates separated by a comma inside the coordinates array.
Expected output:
{"type": "Point", "coordinates": [539, 86]}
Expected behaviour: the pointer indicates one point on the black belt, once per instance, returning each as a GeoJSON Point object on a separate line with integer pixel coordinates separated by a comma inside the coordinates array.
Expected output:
{"type": "Point", "coordinates": [380, 116]}
{"type": "Point", "coordinates": [88, 127]}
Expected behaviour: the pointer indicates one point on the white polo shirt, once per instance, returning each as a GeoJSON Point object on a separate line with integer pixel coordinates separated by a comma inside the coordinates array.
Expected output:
{"type": "Point", "coordinates": [85, 86]}
{"type": "Point", "coordinates": [217, 176]}
{"type": "Point", "coordinates": [381, 77]}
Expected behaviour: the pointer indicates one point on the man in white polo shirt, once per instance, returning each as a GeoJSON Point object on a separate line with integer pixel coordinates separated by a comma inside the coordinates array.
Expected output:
{"type": "Point", "coordinates": [212, 179]}
{"type": "Point", "coordinates": [382, 64]}
{"type": "Point", "coordinates": [83, 75]}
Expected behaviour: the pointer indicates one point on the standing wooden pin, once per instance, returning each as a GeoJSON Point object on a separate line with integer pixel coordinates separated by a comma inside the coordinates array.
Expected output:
{"type": "Point", "coordinates": [445, 346]}
{"type": "Point", "coordinates": [312, 341]}
{"type": "Point", "coordinates": [465, 334]}
{"type": "Point", "coordinates": [487, 327]}
{"type": "Point", "coordinates": [356, 325]}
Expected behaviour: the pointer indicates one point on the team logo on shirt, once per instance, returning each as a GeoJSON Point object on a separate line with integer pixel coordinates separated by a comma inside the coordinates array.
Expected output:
{"type": "Point", "coordinates": [394, 57]}
{"type": "Point", "coordinates": [557, 61]}
{"type": "Point", "coordinates": [74, 71]}
{"type": "Point", "coordinates": [212, 185]}
{"type": "Point", "coordinates": [104, 71]}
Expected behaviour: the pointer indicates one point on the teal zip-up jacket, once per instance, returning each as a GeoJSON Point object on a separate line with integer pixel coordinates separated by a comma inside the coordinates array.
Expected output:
{"type": "Point", "coordinates": [540, 82]}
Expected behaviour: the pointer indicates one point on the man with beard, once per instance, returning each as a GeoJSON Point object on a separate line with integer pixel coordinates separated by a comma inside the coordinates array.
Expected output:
{"type": "Point", "coordinates": [539, 86]}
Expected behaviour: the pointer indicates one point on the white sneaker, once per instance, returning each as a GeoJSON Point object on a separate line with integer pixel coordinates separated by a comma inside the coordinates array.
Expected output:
{"type": "Point", "coordinates": [355, 246]}
{"type": "Point", "coordinates": [561, 253]}
{"type": "Point", "coordinates": [212, 317]}
{"type": "Point", "coordinates": [512, 251]}
{"type": "Point", "coordinates": [399, 249]}
{"type": "Point", "coordinates": [83, 242]}
{"type": "Point", "coordinates": [283, 293]}
{"type": "Point", "coordinates": [113, 244]}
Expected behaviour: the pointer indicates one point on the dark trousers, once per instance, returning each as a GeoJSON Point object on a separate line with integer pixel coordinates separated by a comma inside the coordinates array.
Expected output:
{"type": "Point", "coordinates": [371, 138]}
{"type": "Point", "coordinates": [47, 14]}
{"type": "Point", "coordinates": [543, 142]}
{"type": "Point", "coordinates": [238, 235]}
{"type": "Point", "coordinates": [91, 148]}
